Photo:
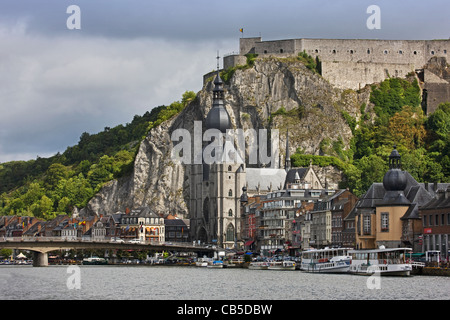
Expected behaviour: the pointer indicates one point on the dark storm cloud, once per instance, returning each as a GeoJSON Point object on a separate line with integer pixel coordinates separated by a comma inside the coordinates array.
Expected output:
{"type": "Point", "coordinates": [133, 55]}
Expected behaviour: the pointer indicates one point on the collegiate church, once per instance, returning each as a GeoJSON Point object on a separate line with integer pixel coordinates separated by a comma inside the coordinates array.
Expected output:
{"type": "Point", "coordinates": [216, 188]}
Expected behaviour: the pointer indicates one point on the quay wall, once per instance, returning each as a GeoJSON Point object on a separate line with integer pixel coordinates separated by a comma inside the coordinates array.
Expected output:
{"type": "Point", "coordinates": [430, 271]}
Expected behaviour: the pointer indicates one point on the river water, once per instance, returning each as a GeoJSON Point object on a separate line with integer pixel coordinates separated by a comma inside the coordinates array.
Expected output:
{"type": "Point", "coordinates": [193, 283]}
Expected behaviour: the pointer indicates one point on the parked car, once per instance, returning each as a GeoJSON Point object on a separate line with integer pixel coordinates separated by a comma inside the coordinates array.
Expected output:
{"type": "Point", "coordinates": [118, 240]}
{"type": "Point", "coordinates": [135, 241]}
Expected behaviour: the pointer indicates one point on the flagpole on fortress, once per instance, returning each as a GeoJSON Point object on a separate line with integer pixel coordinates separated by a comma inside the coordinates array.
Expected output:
{"type": "Point", "coordinates": [242, 32]}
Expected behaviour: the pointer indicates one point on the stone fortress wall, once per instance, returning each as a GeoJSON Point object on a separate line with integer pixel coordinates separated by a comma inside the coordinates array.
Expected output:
{"type": "Point", "coordinates": [353, 63]}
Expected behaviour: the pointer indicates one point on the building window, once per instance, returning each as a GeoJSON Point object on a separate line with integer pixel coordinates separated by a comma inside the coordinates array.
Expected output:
{"type": "Point", "coordinates": [366, 224]}
{"type": "Point", "coordinates": [230, 233]}
{"type": "Point", "coordinates": [229, 168]}
{"type": "Point", "coordinates": [385, 221]}
{"type": "Point", "coordinates": [385, 52]}
{"type": "Point", "coordinates": [230, 213]}
{"type": "Point", "coordinates": [334, 51]}
{"type": "Point", "coordinates": [415, 52]}
{"type": "Point", "coordinates": [351, 51]}
{"type": "Point", "coordinates": [436, 219]}
{"type": "Point", "coordinates": [432, 52]}
{"type": "Point", "coordinates": [368, 51]}
{"type": "Point", "coordinates": [400, 52]}
{"type": "Point", "coordinates": [442, 219]}
{"type": "Point", "coordinates": [230, 193]}
{"type": "Point", "coordinates": [281, 51]}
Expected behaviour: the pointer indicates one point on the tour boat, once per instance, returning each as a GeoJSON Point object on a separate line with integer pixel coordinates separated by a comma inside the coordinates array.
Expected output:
{"type": "Point", "coordinates": [215, 264]}
{"type": "Point", "coordinates": [382, 261]}
{"type": "Point", "coordinates": [94, 261]}
{"type": "Point", "coordinates": [282, 265]}
{"type": "Point", "coordinates": [334, 260]}
{"type": "Point", "coordinates": [258, 265]}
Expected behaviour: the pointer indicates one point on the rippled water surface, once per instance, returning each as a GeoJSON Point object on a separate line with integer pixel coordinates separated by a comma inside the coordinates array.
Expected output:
{"type": "Point", "coordinates": [185, 283]}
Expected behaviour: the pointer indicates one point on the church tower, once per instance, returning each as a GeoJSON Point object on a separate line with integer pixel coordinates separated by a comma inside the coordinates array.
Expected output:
{"type": "Point", "coordinates": [216, 206]}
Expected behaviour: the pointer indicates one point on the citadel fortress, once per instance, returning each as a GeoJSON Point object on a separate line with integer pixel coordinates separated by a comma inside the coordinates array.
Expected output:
{"type": "Point", "coordinates": [353, 63]}
{"type": "Point", "coordinates": [217, 190]}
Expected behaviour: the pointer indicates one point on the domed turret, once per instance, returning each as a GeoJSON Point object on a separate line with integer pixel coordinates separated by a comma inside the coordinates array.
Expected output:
{"type": "Point", "coordinates": [218, 117]}
{"type": "Point", "coordinates": [394, 181]}
{"type": "Point", "coordinates": [395, 178]}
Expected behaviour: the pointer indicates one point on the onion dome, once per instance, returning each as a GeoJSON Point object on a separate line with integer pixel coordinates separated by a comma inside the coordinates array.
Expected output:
{"type": "Point", "coordinates": [395, 182]}
{"type": "Point", "coordinates": [218, 117]}
{"type": "Point", "coordinates": [395, 178]}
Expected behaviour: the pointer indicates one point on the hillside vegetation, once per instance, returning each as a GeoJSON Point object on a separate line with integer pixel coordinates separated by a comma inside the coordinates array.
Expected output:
{"type": "Point", "coordinates": [46, 187]}
{"type": "Point", "coordinates": [423, 142]}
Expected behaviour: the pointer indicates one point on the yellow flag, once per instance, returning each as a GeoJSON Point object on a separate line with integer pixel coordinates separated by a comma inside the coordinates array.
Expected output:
{"type": "Point", "coordinates": [241, 30]}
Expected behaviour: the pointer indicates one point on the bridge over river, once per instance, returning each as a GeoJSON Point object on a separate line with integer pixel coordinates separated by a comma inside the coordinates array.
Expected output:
{"type": "Point", "coordinates": [40, 247]}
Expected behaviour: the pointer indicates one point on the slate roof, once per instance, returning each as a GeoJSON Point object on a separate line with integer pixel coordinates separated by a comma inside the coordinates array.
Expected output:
{"type": "Point", "coordinates": [263, 177]}
{"type": "Point", "coordinates": [417, 195]}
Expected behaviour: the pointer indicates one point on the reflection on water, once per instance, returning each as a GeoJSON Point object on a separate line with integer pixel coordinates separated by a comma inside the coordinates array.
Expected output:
{"type": "Point", "coordinates": [186, 283]}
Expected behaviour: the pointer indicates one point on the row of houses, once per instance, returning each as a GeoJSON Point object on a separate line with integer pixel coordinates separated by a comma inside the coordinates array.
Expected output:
{"type": "Point", "coordinates": [294, 219]}
{"type": "Point", "coordinates": [399, 212]}
{"type": "Point", "coordinates": [141, 223]}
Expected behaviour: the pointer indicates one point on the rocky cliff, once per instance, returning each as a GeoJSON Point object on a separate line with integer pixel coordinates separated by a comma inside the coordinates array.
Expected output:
{"type": "Point", "coordinates": [275, 93]}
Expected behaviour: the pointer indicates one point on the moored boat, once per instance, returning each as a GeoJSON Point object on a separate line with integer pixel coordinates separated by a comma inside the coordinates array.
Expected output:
{"type": "Point", "coordinates": [258, 265]}
{"type": "Point", "coordinates": [328, 260]}
{"type": "Point", "coordinates": [202, 262]}
{"type": "Point", "coordinates": [94, 261]}
{"type": "Point", "coordinates": [215, 264]}
{"type": "Point", "coordinates": [285, 265]}
{"type": "Point", "coordinates": [383, 261]}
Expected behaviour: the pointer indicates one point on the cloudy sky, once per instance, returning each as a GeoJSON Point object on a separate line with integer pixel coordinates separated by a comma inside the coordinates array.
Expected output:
{"type": "Point", "coordinates": [132, 55]}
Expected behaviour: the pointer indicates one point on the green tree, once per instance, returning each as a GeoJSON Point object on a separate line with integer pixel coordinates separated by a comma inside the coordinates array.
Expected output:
{"type": "Point", "coordinates": [54, 173]}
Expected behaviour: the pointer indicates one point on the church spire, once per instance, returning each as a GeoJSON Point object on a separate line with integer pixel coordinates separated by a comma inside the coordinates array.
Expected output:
{"type": "Point", "coordinates": [218, 117]}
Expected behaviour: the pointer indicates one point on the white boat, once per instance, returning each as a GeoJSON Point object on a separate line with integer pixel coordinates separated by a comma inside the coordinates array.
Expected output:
{"type": "Point", "coordinates": [215, 264]}
{"type": "Point", "coordinates": [258, 265]}
{"type": "Point", "coordinates": [94, 261]}
{"type": "Point", "coordinates": [282, 265]}
{"type": "Point", "coordinates": [334, 260]}
{"type": "Point", "coordinates": [202, 262]}
{"type": "Point", "coordinates": [383, 261]}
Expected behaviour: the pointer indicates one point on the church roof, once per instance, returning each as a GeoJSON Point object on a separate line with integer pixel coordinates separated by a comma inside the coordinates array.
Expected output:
{"type": "Point", "coordinates": [264, 178]}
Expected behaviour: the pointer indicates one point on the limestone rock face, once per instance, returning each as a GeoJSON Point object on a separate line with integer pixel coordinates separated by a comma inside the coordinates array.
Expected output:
{"type": "Point", "coordinates": [277, 93]}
